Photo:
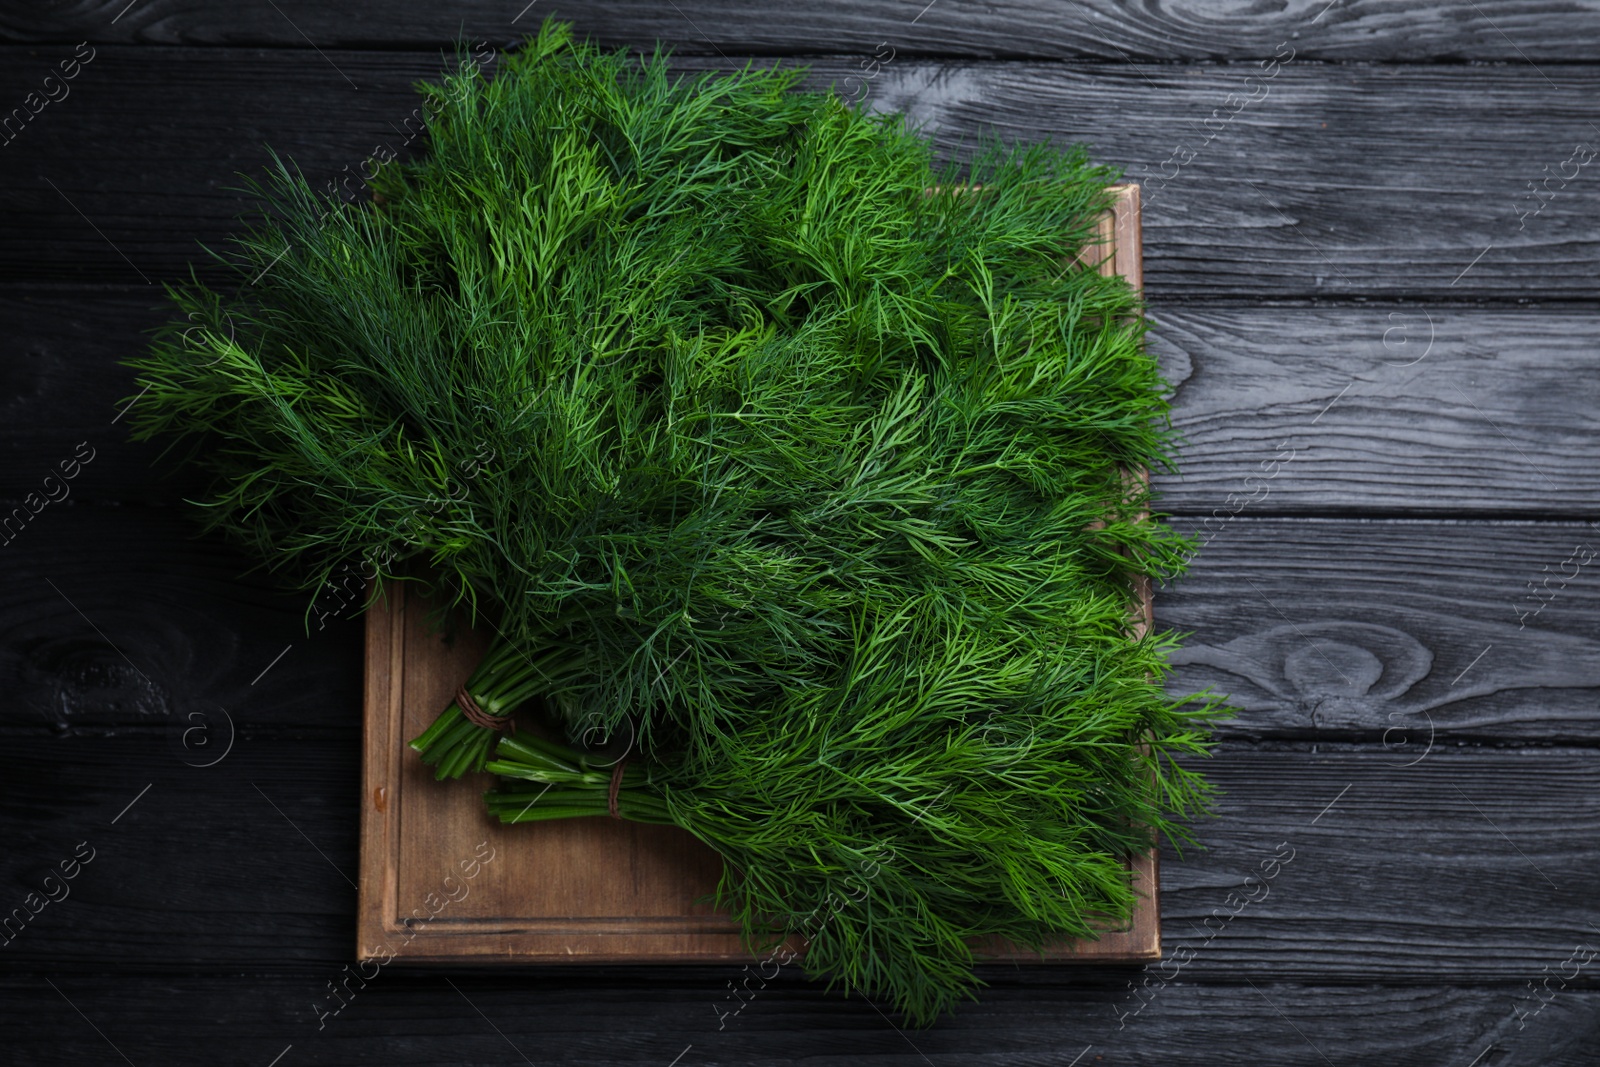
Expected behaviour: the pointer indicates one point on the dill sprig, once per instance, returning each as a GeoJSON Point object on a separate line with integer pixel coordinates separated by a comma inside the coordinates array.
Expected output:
{"type": "Point", "coordinates": [760, 438]}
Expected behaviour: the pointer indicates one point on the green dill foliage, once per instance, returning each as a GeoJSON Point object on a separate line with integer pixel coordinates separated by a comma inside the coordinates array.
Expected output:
{"type": "Point", "coordinates": [757, 437]}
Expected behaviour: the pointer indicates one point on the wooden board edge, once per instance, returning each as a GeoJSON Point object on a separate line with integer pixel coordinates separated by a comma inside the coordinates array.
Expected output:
{"type": "Point", "coordinates": [1127, 235]}
{"type": "Point", "coordinates": [376, 890]}
{"type": "Point", "coordinates": [1124, 228]}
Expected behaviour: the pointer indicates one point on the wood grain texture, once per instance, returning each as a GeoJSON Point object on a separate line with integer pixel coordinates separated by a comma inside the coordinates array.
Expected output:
{"type": "Point", "coordinates": [209, 926]}
{"type": "Point", "coordinates": [250, 865]}
{"type": "Point", "coordinates": [1345, 630]}
{"type": "Point", "coordinates": [1087, 29]}
{"type": "Point", "coordinates": [1417, 410]}
{"type": "Point", "coordinates": [1492, 415]}
{"type": "Point", "coordinates": [1338, 183]}
{"type": "Point", "coordinates": [1408, 634]}
{"type": "Point", "coordinates": [119, 619]}
{"type": "Point", "coordinates": [609, 1020]}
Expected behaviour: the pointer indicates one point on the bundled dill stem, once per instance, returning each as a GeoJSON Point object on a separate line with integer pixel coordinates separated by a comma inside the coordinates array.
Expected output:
{"type": "Point", "coordinates": [808, 470]}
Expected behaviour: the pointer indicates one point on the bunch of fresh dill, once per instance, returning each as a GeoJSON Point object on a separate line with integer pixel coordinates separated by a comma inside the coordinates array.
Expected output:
{"type": "Point", "coordinates": [809, 471]}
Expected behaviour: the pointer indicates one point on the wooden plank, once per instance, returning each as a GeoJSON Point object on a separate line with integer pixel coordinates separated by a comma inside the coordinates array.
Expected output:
{"type": "Point", "coordinates": [633, 1018]}
{"type": "Point", "coordinates": [1412, 635]}
{"type": "Point", "coordinates": [515, 911]}
{"type": "Point", "coordinates": [1327, 187]}
{"type": "Point", "coordinates": [213, 910]}
{"type": "Point", "coordinates": [1090, 29]}
{"type": "Point", "coordinates": [1417, 600]}
{"type": "Point", "coordinates": [1417, 410]}
{"type": "Point", "coordinates": [1331, 384]}
{"type": "Point", "coordinates": [119, 618]}
{"type": "Point", "coordinates": [64, 387]}
{"type": "Point", "coordinates": [1465, 844]}
{"type": "Point", "coordinates": [242, 867]}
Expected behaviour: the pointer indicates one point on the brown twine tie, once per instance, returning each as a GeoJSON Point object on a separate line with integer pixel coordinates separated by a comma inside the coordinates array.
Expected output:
{"type": "Point", "coordinates": [616, 784]}
{"type": "Point", "coordinates": [476, 715]}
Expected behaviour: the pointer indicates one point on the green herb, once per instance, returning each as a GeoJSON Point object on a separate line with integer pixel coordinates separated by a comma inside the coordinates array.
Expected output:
{"type": "Point", "coordinates": [992, 790]}
{"type": "Point", "coordinates": [757, 439]}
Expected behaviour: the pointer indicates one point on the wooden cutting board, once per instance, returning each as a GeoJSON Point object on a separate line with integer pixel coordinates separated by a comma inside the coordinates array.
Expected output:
{"type": "Point", "coordinates": [443, 881]}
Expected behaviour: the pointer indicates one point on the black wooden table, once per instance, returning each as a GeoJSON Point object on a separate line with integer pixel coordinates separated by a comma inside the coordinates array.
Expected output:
{"type": "Point", "coordinates": [1371, 240]}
